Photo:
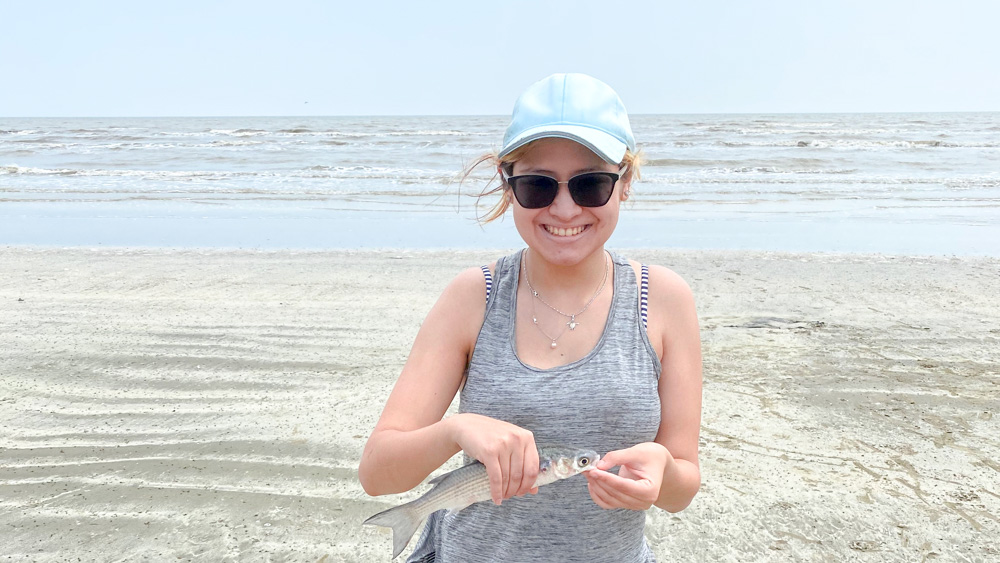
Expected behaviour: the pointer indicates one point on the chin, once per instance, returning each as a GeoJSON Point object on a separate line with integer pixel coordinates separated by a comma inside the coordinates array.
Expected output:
{"type": "Point", "coordinates": [565, 251]}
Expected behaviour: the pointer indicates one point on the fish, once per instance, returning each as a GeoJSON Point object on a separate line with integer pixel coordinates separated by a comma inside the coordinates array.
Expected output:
{"type": "Point", "coordinates": [470, 484]}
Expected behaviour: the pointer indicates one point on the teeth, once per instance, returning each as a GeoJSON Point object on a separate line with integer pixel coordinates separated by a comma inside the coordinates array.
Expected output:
{"type": "Point", "coordinates": [564, 232]}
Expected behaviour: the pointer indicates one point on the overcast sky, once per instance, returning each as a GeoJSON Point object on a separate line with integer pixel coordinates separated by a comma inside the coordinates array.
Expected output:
{"type": "Point", "coordinates": [178, 58]}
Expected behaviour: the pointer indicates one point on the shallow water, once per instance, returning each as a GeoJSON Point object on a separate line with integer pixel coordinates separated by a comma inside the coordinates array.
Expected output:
{"type": "Point", "coordinates": [894, 183]}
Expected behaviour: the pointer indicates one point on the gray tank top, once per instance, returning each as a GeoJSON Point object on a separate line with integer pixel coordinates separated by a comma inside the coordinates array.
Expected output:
{"type": "Point", "coordinates": [605, 401]}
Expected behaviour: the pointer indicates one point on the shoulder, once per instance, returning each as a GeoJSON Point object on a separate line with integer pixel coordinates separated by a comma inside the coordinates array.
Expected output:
{"type": "Point", "coordinates": [672, 312]}
{"type": "Point", "coordinates": [468, 288]}
{"type": "Point", "coordinates": [665, 285]}
{"type": "Point", "coordinates": [669, 285]}
{"type": "Point", "coordinates": [454, 321]}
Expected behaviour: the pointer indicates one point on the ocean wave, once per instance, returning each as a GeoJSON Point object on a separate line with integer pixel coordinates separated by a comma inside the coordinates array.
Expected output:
{"type": "Point", "coordinates": [105, 193]}
{"type": "Point", "coordinates": [109, 134]}
{"type": "Point", "coordinates": [14, 169]}
{"type": "Point", "coordinates": [397, 175]}
{"type": "Point", "coordinates": [230, 144]}
{"type": "Point", "coordinates": [784, 166]}
{"type": "Point", "coordinates": [26, 170]}
{"type": "Point", "coordinates": [859, 144]}
{"type": "Point", "coordinates": [401, 175]}
{"type": "Point", "coordinates": [381, 134]}
{"type": "Point", "coordinates": [974, 182]}
{"type": "Point", "coordinates": [432, 133]}
{"type": "Point", "coordinates": [238, 132]}
{"type": "Point", "coordinates": [45, 139]}
{"type": "Point", "coordinates": [304, 131]}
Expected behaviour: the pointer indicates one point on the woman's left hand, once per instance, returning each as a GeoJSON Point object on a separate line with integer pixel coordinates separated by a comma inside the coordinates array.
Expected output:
{"type": "Point", "coordinates": [640, 476]}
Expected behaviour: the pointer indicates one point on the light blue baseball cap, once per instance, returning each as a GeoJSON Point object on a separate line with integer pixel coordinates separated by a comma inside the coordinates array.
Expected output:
{"type": "Point", "coordinates": [577, 107]}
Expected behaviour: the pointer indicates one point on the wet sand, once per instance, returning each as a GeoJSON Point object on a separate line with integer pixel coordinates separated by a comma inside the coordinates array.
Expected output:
{"type": "Point", "coordinates": [212, 405]}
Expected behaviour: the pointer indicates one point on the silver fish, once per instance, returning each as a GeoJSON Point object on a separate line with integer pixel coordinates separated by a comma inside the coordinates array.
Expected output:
{"type": "Point", "coordinates": [470, 484]}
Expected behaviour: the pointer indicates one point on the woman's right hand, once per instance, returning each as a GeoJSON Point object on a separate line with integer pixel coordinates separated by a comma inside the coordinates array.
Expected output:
{"type": "Point", "coordinates": [508, 452]}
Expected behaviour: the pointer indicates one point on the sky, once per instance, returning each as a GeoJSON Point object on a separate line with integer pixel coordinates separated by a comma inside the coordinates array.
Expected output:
{"type": "Point", "coordinates": [295, 57]}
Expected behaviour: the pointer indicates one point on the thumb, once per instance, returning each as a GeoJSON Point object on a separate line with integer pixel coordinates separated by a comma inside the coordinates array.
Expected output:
{"type": "Point", "coordinates": [609, 460]}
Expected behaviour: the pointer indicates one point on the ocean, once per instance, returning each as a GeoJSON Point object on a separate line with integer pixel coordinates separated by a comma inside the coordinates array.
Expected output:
{"type": "Point", "coordinates": [913, 184]}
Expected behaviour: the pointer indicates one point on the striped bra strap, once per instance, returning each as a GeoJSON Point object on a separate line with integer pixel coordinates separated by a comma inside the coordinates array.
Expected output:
{"type": "Point", "coordinates": [489, 281]}
{"type": "Point", "coordinates": [644, 295]}
{"type": "Point", "coordinates": [643, 291]}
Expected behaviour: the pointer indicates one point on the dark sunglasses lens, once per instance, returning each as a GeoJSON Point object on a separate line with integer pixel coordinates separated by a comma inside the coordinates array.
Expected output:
{"type": "Point", "coordinates": [592, 190]}
{"type": "Point", "coordinates": [534, 192]}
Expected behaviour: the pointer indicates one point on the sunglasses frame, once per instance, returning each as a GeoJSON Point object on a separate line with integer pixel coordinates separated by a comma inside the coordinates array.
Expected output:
{"type": "Point", "coordinates": [569, 184]}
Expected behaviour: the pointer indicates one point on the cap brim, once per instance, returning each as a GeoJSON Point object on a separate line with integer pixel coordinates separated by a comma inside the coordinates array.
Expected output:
{"type": "Point", "coordinates": [602, 144]}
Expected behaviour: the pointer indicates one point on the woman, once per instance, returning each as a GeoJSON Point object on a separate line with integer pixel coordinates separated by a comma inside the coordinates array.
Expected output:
{"type": "Point", "coordinates": [563, 342]}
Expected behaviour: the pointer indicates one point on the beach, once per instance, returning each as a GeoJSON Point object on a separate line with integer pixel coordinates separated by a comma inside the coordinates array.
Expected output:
{"type": "Point", "coordinates": [212, 405]}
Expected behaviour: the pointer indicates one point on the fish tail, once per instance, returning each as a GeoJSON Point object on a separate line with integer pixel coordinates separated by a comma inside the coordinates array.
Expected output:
{"type": "Point", "coordinates": [403, 520]}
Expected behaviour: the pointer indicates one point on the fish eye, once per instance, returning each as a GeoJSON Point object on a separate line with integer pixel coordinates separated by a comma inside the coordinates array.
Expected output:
{"type": "Point", "coordinates": [584, 461]}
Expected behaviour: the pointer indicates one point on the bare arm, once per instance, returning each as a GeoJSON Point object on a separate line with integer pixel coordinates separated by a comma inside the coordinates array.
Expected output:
{"type": "Point", "coordinates": [679, 388]}
{"type": "Point", "coordinates": [412, 439]}
{"type": "Point", "coordinates": [664, 472]}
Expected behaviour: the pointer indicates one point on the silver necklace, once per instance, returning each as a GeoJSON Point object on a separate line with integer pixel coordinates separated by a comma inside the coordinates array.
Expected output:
{"type": "Point", "coordinates": [571, 324]}
{"type": "Point", "coordinates": [534, 319]}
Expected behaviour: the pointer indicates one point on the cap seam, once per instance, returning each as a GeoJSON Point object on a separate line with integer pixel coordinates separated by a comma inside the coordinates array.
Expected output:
{"type": "Point", "coordinates": [584, 125]}
{"type": "Point", "coordinates": [562, 103]}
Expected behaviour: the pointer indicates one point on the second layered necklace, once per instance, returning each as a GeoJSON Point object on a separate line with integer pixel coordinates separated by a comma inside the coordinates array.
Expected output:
{"type": "Point", "coordinates": [571, 323]}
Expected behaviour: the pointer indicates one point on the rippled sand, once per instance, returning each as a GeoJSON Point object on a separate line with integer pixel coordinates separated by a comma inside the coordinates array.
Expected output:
{"type": "Point", "coordinates": [191, 405]}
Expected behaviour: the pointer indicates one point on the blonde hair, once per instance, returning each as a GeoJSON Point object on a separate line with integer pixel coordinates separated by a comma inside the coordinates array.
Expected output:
{"type": "Point", "coordinates": [631, 162]}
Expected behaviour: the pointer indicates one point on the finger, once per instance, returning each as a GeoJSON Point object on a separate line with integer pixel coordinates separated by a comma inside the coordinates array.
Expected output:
{"type": "Point", "coordinates": [516, 472]}
{"type": "Point", "coordinates": [622, 498]}
{"type": "Point", "coordinates": [612, 459]}
{"type": "Point", "coordinates": [608, 497]}
{"type": "Point", "coordinates": [632, 487]}
{"type": "Point", "coordinates": [504, 460]}
{"type": "Point", "coordinates": [530, 468]}
{"type": "Point", "coordinates": [495, 475]}
{"type": "Point", "coordinates": [600, 496]}
{"type": "Point", "coordinates": [633, 494]}
{"type": "Point", "coordinates": [605, 463]}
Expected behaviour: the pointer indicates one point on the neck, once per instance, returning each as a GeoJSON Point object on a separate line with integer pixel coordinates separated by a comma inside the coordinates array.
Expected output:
{"type": "Point", "coordinates": [567, 279]}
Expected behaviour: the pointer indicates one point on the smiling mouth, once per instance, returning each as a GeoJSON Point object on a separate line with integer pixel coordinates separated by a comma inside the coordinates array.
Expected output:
{"type": "Point", "coordinates": [559, 232]}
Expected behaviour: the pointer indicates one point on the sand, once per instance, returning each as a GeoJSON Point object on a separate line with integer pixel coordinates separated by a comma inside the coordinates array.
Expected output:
{"type": "Point", "coordinates": [212, 405]}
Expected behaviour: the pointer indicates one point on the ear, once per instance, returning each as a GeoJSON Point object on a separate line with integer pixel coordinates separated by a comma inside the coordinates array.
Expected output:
{"type": "Point", "coordinates": [500, 174]}
{"type": "Point", "coordinates": [626, 189]}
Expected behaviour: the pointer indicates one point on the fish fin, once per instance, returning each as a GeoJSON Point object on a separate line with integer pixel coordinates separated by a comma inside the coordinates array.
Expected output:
{"type": "Point", "coordinates": [404, 522]}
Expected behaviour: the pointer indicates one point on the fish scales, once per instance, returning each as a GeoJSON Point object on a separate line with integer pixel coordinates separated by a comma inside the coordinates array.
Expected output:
{"type": "Point", "coordinates": [456, 490]}
{"type": "Point", "coordinates": [470, 484]}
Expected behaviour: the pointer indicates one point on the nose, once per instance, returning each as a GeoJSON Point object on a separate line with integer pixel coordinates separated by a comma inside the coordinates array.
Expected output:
{"type": "Point", "coordinates": [563, 207]}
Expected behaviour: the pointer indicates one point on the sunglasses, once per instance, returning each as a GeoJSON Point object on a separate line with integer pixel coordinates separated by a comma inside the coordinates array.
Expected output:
{"type": "Point", "coordinates": [590, 189]}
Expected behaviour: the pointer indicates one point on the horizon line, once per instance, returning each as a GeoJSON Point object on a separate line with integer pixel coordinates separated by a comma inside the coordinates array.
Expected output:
{"type": "Point", "coordinates": [431, 115]}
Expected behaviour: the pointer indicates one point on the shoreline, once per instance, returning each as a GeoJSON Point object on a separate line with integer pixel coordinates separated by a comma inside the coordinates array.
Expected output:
{"type": "Point", "coordinates": [496, 251]}
{"type": "Point", "coordinates": [213, 403]}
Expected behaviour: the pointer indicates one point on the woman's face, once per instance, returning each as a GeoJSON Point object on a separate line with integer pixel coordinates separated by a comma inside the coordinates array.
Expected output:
{"type": "Point", "coordinates": [565, 233]}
